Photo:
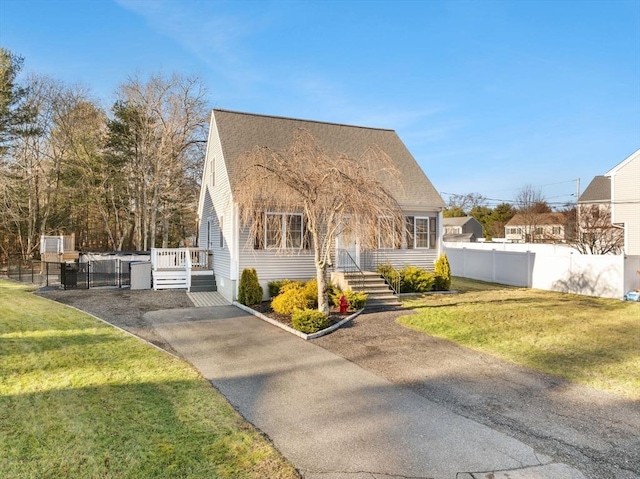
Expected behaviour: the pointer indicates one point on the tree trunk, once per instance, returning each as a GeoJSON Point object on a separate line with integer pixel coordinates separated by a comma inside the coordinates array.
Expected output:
{"type": "Point", "coordinates": [323, 297]}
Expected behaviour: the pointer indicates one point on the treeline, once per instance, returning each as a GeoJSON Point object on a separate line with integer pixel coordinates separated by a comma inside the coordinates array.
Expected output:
{"type": "Point", "coordinates": [123, 179]}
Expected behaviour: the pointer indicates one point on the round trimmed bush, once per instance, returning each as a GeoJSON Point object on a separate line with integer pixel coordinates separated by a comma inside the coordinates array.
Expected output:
{"type": "Point", "coordinates": [275, 287]}
{"type": "Point", "coordinates": [416, 280]}
{"type": "Point", "coordinates": [356, 300]}
{"type": "Point", "coordinates": [291, 298]}
{"type": "Point", "coordinates": [309, 321]}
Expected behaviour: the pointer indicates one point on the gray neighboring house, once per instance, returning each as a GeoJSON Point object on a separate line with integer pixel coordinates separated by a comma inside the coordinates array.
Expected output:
{"type": "Point", "coordinates": [232, 250]}
{"type": "Point", "coordinates": [598, 192]}
{"type": "Point", "coordinates": [462, 229]}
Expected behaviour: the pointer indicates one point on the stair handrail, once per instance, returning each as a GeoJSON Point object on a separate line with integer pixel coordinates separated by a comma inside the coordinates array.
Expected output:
{"type": "Point", "coordinates": [373, 259]}
{"type": "Point", "coordinates": [347, 264]}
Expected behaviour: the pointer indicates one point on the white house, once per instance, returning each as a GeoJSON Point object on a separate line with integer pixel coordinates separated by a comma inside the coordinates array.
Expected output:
{"type": "Point", "coordinates": [231, 249]}
{"type": "Point", "coordinates": [537, 228]}
{"type": "Point", "coordinates": [625, 201]}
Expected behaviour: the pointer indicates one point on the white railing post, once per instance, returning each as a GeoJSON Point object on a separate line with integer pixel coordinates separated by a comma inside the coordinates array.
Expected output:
{"type": "Point", "coordinates": [187, 257]}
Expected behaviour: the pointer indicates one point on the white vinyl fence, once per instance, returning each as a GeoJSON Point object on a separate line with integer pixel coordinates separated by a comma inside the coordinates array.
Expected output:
{"type": "Point", "coordinates": [548, 267]}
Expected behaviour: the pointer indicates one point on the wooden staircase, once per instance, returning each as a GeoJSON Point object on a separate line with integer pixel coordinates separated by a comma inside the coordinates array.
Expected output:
{"type": "Point", "coordinates": [202, 281]}
{"type": "Point", "coordinates": [379, 294]}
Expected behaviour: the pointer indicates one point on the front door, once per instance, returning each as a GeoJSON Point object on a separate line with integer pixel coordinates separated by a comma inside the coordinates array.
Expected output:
{"type": "Point", "coordinates": [348, 252]}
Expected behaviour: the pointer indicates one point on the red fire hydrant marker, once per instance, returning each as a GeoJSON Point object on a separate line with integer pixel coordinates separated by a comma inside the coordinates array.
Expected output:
{"type": "Point", "coordinates": [344, 304]}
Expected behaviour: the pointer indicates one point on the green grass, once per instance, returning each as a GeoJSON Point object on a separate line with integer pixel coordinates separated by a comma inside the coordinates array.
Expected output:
{"type": "Point", "coordinates": [593, 341]}
{"type": "Point", "coordinates": [81, 399]}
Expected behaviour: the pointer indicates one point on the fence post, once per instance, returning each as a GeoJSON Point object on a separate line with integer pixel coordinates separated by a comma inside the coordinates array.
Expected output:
{"type": "Point", "coordinates": [493, 265]}
{"type": "Point", "coordinates": [464, 262]}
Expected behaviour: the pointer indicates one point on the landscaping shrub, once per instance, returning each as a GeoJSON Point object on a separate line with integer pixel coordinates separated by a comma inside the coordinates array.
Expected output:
{"type": "Point", "coordinates": [442, 273]}
{"type": "Point", "coordinates": [356, 300]}
{"type": "Point", "coordinates": [291, 298]}
{"type": "Point", "coordinates": [416, 280]}
{"type": "Point", "coordinates": [309, 321]}
{"type": "Point", "coordinates": [334, 294]}
{"type": "Point", "coordinates": [276, 286]}
{"type": "Point", "coordinates": [388, 272]}
{"type": "Point", "coordinates": [311, 292]}
{"type": "Point", "coordinates": [249, 291]}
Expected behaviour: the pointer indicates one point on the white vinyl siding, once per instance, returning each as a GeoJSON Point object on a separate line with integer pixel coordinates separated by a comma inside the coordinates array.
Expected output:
{"type": "Point", "coordinates": [215, 204]}
{"type": "Point", "coordinates": [272, 264]}
{"type": "Point", "coordinates": [625, 195]}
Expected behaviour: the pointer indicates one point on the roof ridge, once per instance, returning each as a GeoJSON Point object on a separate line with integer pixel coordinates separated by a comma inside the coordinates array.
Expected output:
{"type": "Point", "coordinates": [301, 119]}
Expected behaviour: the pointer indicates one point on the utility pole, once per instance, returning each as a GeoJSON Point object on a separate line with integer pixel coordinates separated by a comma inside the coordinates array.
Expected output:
{"type": "Point", "coordinates": [577, 209]}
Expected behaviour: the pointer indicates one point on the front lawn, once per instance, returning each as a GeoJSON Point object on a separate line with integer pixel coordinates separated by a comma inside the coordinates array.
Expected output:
{"type": "Point", "coordinates": [81, 399]}
{"type": "Point", "coordinates": [593, 341]}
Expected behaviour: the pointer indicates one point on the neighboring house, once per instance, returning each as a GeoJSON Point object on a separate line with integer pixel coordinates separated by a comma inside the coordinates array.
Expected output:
{"type": "Point", "coordinates": [537, 228]}
{"type": "Point", "coordinates": [625, 201]}
{"type": "Point", "coordinates": [231, 248]}
{"type": "Point", "coordinates": [464, 229]}
{"type": "Point", "coordinates": [596, 233]}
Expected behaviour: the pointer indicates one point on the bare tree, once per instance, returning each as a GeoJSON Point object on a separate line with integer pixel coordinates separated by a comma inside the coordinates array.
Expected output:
{"type": "Point", "coordinates": [168, 133]}
{"type": "Point", "coordinates": [336, 194]}
{"type": "Point", "coordinates": [530, 203]}
{"type": "Point", "coordinates": [595, 233]}
{"type": "Point", "coordinates": [460, 205]}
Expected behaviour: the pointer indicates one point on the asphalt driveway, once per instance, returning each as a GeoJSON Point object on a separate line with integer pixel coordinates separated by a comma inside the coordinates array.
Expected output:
{"type": "Point", "coordinates": [334, 419]}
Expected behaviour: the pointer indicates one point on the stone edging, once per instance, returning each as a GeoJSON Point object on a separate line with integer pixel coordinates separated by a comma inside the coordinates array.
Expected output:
{"type": "Point", "coordinates": [426, 293]}
{"type": "Point", "coordinates": [300, 334]}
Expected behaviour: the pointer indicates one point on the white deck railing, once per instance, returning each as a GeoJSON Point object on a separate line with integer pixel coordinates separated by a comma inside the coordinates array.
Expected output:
{"type": "Point", "coordinates": [170, 258]}
{"type": "Point", "coordinates": [172, 266]}
{"type": "Point", "coordinates": [199, 258]}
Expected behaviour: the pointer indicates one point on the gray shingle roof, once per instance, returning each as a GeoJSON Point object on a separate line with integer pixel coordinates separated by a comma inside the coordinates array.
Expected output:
{"type": "Point", "coordinates": [598, 190]}
{"type": "Point", "coordinates": [456, 221]}
{"type": "Point", "coordinates": [241, 132]}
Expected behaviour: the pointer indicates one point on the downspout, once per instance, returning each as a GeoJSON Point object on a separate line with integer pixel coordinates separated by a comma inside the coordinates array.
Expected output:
{"type": "Point", "coordinates": [623, 227]}
{"type": "Point", "coordinates": [440, 235]}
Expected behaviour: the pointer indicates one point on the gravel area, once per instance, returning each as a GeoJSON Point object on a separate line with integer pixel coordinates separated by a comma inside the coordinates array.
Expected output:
{"type": "Point", "coordinates": [597, 433]}
{"type": "Point", "coordinates": [122, 307]}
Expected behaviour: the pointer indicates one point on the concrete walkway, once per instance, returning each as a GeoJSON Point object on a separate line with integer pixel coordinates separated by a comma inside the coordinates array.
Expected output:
{"type": "Point", "coordinates": [333, 419]}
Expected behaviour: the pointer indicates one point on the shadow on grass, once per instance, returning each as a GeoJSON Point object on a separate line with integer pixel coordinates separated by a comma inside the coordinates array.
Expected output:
{"type": "Point", "coordinates": [137, 430]}
{"type": "Point", "coordinates": [531, 298]}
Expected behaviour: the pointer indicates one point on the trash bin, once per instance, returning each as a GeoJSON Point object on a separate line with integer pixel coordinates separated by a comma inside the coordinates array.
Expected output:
{"type": "Point", "coordinates": [69, 275]}
{"type": "Point", "coordinates": [140, 275]}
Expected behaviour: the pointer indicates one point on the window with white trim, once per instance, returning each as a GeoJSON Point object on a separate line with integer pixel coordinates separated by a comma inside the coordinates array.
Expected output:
{"type": "Point", "coordinates": [386, 233]}
{"type": "Point", "coordinates": [283, 231]}
{"type": "Point", "coordinates": [421, 232]}
{"type": "Point", "coordinates": [221, 243]}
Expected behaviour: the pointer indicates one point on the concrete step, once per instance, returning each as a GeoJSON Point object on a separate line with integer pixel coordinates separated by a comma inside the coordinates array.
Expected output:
{"type": "Point", "coordinates": [377, 288]}
{"type": "Point", "coordinates": [374, 303]}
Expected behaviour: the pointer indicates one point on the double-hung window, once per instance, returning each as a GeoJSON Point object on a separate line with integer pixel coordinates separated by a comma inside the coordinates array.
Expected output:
{"type": "Point", "coordinates": [386, 233]}
{"type": "Point", "coordinates": [420, 232]}
{"type": "Point", "coordinates": [283, 230]}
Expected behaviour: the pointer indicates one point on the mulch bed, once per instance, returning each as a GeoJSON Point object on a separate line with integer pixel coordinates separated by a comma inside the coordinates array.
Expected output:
{"type": "Point", "coordinates": [265, 308]}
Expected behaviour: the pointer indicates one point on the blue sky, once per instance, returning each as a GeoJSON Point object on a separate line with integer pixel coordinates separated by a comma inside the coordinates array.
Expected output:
{"type": "Point", "coordinates": [487, 95]}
